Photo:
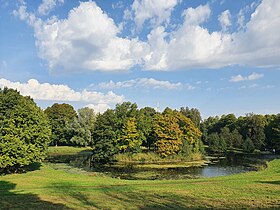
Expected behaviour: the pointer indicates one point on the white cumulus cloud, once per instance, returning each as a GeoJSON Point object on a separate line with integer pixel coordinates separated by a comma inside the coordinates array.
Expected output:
{"type": "Point", "coordinates": [53, 92]}
{"type": "Point", "coordinates": [156, 11]}
{"type": "Point", "coordinates": [99, 108]}
{"type": "Point", "coordinates": [88, 39]}
{"type": "Point", "coordinates": [251, 77]}
{"type": "Point", "coordinates": [192, 45]}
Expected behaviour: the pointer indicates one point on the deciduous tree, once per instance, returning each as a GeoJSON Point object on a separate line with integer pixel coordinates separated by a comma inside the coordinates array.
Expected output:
{"type": "Point", "coordinates": [24, 131]}
{"type": "Point", "coordinates": [59, 115]}
{"type": "Point", "coordinates": [129, 140]}
{"type": "Point", "coordinates": [104, 143]}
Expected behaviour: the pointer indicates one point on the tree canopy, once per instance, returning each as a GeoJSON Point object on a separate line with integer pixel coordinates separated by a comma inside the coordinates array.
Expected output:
{"type": "Point", "coordinates": [59, 115]}
{"type": "Point", "coordinates": [24, 131]}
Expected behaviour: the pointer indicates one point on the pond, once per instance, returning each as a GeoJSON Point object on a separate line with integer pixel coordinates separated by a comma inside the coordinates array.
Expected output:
{"type": "Point", "coordinates": [216, 166]}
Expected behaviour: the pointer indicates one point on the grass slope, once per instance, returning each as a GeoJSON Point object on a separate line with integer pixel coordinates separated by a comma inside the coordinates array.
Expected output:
{"type": "Point", "coordinates": [48, 188]}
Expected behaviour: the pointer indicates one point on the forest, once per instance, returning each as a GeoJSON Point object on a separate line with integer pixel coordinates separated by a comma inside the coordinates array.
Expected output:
{"type": "Point", "coordinates": [27, 131]}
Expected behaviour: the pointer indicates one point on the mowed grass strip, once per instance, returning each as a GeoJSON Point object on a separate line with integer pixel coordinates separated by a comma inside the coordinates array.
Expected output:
{"type": "Point", "coordinates": [48, 188]}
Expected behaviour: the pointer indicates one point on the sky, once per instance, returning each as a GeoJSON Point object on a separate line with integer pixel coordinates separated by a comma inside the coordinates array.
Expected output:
{"type": "Point", "coordinates": [220, 56]}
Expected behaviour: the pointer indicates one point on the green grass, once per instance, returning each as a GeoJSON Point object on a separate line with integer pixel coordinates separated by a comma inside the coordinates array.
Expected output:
{"type": "Point", "coordinates": [48, 188]}
{"type": "Point", "coordinates": [67, 150]}
{"type": "Point", "coordinates": [241, 151]}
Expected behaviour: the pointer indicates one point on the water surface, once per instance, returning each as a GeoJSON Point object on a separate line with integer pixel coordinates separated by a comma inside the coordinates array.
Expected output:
{"type": "Point", "coordinates": [219, 166]}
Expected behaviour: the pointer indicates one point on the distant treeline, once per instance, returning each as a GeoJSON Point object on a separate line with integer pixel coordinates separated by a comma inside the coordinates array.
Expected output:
{"type": "Point", "coordinates": [26, 131]}
{"type": "Point", "coordinates": [250, 132]}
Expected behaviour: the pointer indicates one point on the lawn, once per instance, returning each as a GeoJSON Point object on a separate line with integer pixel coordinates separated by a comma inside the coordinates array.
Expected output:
{"type": "Point", "coordinates": [49, 188]}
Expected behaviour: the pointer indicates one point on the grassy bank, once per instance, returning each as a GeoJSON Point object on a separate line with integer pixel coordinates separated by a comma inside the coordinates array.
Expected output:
{"type": "Point", "coordinates": [48, 188]}
{"type": "Point", "coordinates": [67, 150]}
{"type": "Point", "coordinates": [152, 157]}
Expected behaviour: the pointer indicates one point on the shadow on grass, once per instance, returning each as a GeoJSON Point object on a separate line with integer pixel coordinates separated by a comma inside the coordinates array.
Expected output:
{"type": "Point", "coordinates": [20, 170]}
{"type": "Point", "coordinates": [118, 197]}
{"type": "Point", "coordinates": [131, 197]}
{"type": "Point", "coordinates": [127, 198]}
{"type": "Point", "coordinates": [270, 182]}
{"type": "Point", "coordinates": [147, 200]}
{"type": "Point", "coordinates": [73, 193]}
{"type": "Point", "coordinates": [21, 200]}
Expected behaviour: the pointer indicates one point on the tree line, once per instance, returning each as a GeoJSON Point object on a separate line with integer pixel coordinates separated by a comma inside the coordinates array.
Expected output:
{"type": "Point", "coordinates": [125, 129]}
{"type": "Point", "coordinates": [26, 131]}
{"type": "Point", "coordinates": [249, 133]}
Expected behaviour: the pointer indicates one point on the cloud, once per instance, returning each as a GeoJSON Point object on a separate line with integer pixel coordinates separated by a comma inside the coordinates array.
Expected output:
{"type": "Point", "coordinates": [255, 76]}
{"type": "Point", "coordinates": [86, 40]}
{"type": "Point", "coordinates": [141, 82]}
{"type": "Point", "coordinates": [196, 16]}
{"type": "Point", "coordinates": [259, 44]}
{"type": "Point", "coordinates": [249, 86]}
{"type": "Point", "coordinates": [237, 78]}
{"type": "Point", "coordinates": [225, 20]}
{"type": "Point", "coordinates": [155, 11]}
{"type": "Point", "coordinates": [243, 11]}
{"type": "Point", "coordinates": [52, 92]}
{"type": "Point", "coordinates": [99, 108]}
{"type": "Point", "coordinates": [47, 6]}
{"type": "Point", "coordinates": [89, 40]}
{"type": "Point", "coordinates": [190, 46]}
{"type": "Point", "coordinates": [251, 77]}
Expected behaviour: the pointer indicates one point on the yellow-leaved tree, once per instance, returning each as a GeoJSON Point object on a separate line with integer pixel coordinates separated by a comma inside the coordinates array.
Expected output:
{"type": "Point", "coordinates": [129, 140]}
{"type": "Point", "coordinates": [175, 133]}
{"type": "Point", "coordinates": [168, 134]}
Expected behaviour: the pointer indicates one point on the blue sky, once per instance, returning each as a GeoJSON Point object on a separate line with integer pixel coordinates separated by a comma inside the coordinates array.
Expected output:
{"type": "Point", "coordinates": [218, 56]}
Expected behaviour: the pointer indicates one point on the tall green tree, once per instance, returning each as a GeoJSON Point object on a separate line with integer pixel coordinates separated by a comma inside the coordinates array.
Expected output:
{"type": "Point", "coordinates": [226, 135]}
{"type": "Point", "coordinates": [248, 145]}
{"type": "Point", "coordinates": [193, 114]}
{"type": "Point", "coordinates": [145, 120]}
{"type": "Point", "coordinates": [123, 112]}
{"type": "Point", "coordinates": [216, 143]}
{"type": "Point", "coordinates": [273, 133]}
{"type": "Point", "coordinates": [59, 115]}
{"type": "Point", "coordinates": [80, 135]}
{"type": "Point", "coordinates": [81, 128]}
{"type": "Point", "coordinates": [24, 131]}
{"type": "Point", "coordinates": [87, 118]}
{"type": "Point", "coordinates": [252, 126]}
{"type": "Point", "coordinates": [104, 143]}
{"type": "Point", "coordinates": [228, 121]}
{"type": "Point", "coordinates": [209, 126]}
{"type": "Point", "coordinates": [236, 139]}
